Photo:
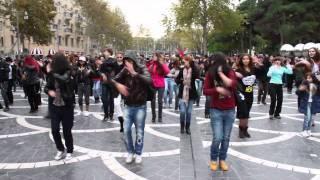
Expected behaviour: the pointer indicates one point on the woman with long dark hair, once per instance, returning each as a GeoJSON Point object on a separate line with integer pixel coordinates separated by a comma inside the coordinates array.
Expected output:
{"type": "Point", "coordinates": [158, 70]}
{"type": "Point", "coordinates": [60, 88]}
{"type": "Point", "coordinates": [246, 73]}
{"type": "Point", "coordinates": [31, 82]}
{"type": "Point", "coordinates": [187, 92]}
{"type": "Point", "coordinates": [220, 84]}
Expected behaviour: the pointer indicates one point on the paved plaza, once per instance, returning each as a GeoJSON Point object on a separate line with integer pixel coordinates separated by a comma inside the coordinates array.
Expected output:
{"type": "Point", "coordinates": [275, 151]}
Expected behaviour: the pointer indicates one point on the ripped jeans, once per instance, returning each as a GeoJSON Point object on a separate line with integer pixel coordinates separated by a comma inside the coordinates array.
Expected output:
{"type": "Point", "coordinates": [134, 115]}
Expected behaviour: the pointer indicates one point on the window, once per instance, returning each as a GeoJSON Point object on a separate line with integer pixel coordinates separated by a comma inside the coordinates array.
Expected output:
{"type": "Point", "coordinates": [72, 43]}
{"type": "Point", "coordinates": [66, 40]}
{"type": "Point", "coordinates": [2, 42]}
{"type": "Point", "coordinates": [59, 40]}
{"type": "Point", "coordinates": [78, 42]}
{"type": "Point", "coordinates": [12, 40]}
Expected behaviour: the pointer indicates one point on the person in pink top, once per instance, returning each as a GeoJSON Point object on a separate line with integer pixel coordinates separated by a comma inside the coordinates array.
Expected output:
{"type": "Point", "coordinates": [158, 70]}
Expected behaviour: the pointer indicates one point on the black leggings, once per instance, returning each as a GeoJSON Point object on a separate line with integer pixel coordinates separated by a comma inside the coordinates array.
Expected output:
{"type": "Point", "coordinates": [276, 95]}
{"type": "Point", "coordinates": [65, 116]}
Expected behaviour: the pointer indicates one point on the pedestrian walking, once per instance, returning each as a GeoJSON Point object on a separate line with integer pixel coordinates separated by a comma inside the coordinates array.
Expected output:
{"type": "Point", "coordinates": [187, 92]}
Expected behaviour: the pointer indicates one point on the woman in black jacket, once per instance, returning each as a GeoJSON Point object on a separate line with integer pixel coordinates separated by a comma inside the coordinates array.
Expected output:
{"type": "Point", "coordinates": [61, 110]}
{"type": "Point", "coordinates": [187, 92]}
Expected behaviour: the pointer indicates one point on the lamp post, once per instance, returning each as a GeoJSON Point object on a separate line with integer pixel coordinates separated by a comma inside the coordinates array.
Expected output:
{"type": "Point", "coordinates": [18, 29]}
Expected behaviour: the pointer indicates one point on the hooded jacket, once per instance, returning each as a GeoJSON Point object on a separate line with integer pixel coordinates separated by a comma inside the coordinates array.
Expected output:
{"type": "Point", "coordinates": [137, 85]}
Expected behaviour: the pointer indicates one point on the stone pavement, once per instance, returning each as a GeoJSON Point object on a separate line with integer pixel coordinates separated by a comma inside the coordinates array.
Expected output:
{"type": "Point", "coordinates": [275, 151]}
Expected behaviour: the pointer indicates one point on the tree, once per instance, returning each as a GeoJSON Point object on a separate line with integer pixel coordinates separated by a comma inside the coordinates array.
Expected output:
{"type": "Point", "coordinates": [39, 12]}
{"type": "Point", "coordinates": [206, 15]}
{"type": "Point", "coordinates": [106, 25]}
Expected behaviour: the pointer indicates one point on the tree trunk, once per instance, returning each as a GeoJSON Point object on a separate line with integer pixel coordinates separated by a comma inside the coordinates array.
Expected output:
{"type": "Point", "coordinates": [204, 25]}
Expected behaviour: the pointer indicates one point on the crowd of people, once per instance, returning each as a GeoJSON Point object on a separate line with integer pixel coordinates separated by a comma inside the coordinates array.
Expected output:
{"type": "Point", "coordinates": [125, 82]}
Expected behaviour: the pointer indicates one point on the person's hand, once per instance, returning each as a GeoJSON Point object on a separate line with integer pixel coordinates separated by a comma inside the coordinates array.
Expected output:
{"type": "Point", "coordinates": [52, 93]}
{"type": "Point", "coordinates": [104, 78]}
{"type": "Point", "coordinates": [130, 69]}
{"type": "Point", "coordinates": [302, 87]}
{"type": "Point", "coordinates": [239, 75]}
{"type": "Point", "coordinates": [223, 91]}
{"type": "Point", "coordinates": [219, 69]}
{"type": "Point", "coordinates": [122, 89]}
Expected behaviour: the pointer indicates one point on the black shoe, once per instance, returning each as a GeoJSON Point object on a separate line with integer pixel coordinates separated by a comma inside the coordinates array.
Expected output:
{"type": "Point", "coordinates": [32, 111]}
{"type": "Point", "coordinates": [245, 132]}
{"type": "Point", "coordinates": [241, 132]}
{"type": "Point", "coordinates": [264, 103]}
{"type": "Point", "coordinates": [111, 118]}
{"type": "Point", "coordinates": [258, 102]}
{"type": "Point", "coordinates": [160, 120]}
{"type": "Point", "coordinates": [182, 127]}
{"type": "Point", "coordinates": [153, 120]}
{"type": "Point", "coordinates": [277, 117]}
{"type": "Point", "coordinates": [1, 107]}
{"type": "Point", "coordinates": [6, 109]}
{"type": "Point", "coordinates": [121, 123]}
{"type": "Point", "coordinates": [271, 117]}
{"type": "Point", "coordinates": [188, 128]}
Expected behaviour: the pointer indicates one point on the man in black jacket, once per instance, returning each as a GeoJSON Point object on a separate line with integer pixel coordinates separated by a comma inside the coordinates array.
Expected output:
{"type": "Point", "coordinates": [11, 78]}
{"type": "Point", "coordinates": [4, 77]}
{"type": "Point", "coordinates": [108, 70]}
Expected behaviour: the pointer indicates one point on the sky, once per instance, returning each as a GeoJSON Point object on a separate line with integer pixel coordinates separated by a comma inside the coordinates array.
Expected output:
{"type": "Point", "coordinates": [147, 13]}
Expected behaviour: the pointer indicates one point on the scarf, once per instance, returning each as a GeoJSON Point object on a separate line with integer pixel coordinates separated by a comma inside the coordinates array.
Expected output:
{"type": "Point", "coordinates": [29, 61]}
{"type": "Point", "coordinates": [187, 74]}
{"type": "Point", "coordinates": [58, 100]}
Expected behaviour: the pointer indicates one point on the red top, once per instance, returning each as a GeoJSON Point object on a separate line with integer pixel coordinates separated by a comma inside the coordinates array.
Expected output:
{"type": "Point", "coordinates": [219, 101]}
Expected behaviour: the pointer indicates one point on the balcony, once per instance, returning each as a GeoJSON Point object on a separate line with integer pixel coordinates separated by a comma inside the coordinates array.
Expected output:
{"type": "Point", "coordinates": [68, 31]}
{"type": "Point", "coordinates": [54, 27]}
{"type": "Point", "coordinates": [68, 16]}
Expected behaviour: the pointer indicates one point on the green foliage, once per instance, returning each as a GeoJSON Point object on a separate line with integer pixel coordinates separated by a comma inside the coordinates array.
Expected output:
{"type": "Point", "coordinates": [39, 12]}
{"type": "Point", "coordinates": [105, 24]}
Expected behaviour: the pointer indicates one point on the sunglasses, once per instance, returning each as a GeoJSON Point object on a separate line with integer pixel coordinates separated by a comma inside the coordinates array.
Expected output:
{"type": "Point", "coordinates": [119, 57]}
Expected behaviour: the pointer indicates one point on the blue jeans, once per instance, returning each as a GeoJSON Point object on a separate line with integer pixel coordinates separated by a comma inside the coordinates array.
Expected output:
{"type": "Point", "coordinates": [137, 116]}
{"type": "Point", "coordinates": [221, 124]}
{"type": "Point", "coordinates": [185, 111]}
{"type": "Point", "coordinates": [170, 86]}
{"type": "Point", "coordinates": [96, 89]}
{"type": "Point", "coordinates": [307, 118]}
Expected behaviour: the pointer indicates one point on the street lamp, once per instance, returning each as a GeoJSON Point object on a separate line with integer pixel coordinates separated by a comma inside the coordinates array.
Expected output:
{"type": "Point", "coordinates": [26, 17]}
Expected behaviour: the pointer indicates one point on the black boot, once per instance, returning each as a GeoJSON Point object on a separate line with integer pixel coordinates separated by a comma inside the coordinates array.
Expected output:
{"type": "Point", "coordinates": [188, 128]}
{"type": "Point", "coordinates": [241, 132]}
{"type": "Point", "coordinates": [182, 127]}
{"type": "Point", "coordinates": [121, 123]}
{"type": "Point", "coordinates": [246, 134]}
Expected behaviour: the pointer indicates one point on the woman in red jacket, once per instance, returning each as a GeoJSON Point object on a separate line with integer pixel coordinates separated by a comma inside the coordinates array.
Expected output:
{"type": "Point", "coordinates": [220, 84]}
{"type": "Point", "coordinates": [158, 70]}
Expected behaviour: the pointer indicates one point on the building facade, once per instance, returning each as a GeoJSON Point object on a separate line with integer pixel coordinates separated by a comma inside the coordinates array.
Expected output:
{"type": "Point", "coordinates": [68, 27]}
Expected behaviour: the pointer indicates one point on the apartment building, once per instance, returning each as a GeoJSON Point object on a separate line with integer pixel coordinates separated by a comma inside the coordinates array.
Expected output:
{"type": "Point", "coordinates": [68, 28]}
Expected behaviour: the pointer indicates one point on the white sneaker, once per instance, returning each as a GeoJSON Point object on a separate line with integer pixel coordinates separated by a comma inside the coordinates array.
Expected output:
{"type": "Point", "coordinates": [86, 113]}
{"type": "Point", "coordinates": [304, 134]}
{"type": "Point", "coordinates": [129, 158]}
{"type": "Point", "coordinates": [309, 133]}
{"type": "Point", "coordinates": [68, 156]}
{"type": "Point", "coordinates": [138, 159]}
{"type": "Point", "coordinates": [59, 155]}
